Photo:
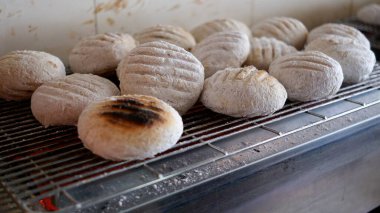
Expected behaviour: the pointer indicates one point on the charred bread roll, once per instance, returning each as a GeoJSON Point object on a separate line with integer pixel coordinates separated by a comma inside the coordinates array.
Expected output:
{"type": "Point", "coordinates": [338, 30]}
{"type": "Point", "coordinates": [21, 72]}
{"type": "Point", "coordinates": [129, 127]}
{"type": "Point", "coordinates": [243, 92]}
{"type": "Point", "coordinates": [169, 33]}
{"type": "Point", "coordinates": [222, 50]}
{"type": "Point", "coordinates": [369, 14]}
{"type": "Point", "coordinates": [61, 102]}
{"type": "Point", "coordinates": [219, 25]}
{"type": "Point", "coordinates": [357, 61]}
{"type": "Point", "coordinates": [162, 70]}
{"type": "Point", "coordinates": [265, 50]}
{"type": "Point", "coordinates": [308, 76]}
{"type": "Point", "coordinates": [286, 29]}
{"type": "Point", "coordinates": [100, 54]}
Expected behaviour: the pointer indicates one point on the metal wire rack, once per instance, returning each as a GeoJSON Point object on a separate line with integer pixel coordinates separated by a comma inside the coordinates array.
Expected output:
{"type": "Point", "coordinates": [48, 169]}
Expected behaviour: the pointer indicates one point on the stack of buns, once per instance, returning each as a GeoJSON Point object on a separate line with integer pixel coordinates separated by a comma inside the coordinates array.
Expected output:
{"type": "Point", "coordinates": [164, 70]}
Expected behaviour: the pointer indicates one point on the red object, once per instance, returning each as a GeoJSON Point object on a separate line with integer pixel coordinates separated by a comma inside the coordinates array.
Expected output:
{"type": "Point", "coordinates": [48, 204]}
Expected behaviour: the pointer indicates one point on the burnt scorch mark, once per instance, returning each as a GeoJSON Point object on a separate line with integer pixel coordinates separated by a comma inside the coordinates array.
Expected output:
{"type": "Point", "coordinates": [121, 104]}
{"type": "Point", "coordinates": [133, 115]}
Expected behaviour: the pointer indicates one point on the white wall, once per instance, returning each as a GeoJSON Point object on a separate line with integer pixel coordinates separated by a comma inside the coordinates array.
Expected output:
{"type": "Point", "coordinates": [56, 25]}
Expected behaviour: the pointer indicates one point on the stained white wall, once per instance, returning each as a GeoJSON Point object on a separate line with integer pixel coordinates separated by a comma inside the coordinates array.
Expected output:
{"type": "Point", "coordinates": [56, 25]}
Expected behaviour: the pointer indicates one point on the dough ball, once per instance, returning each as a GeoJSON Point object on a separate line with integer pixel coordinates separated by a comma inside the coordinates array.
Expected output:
{"type": "Point", "coordinates": [308, 76]}
{"type": "Point", "coordinates": [356, 60]}
{"type": "Point", "coordinates": [286, 29]}
{"type": "Point", "coordinates": [100, 54]}
{"type": "Point", "coordinates": [265, 50]}
{"type": "Point", "coordinates": [162, 70]}
{"type": "Point", "coordinates": [338, 30]}
{"type": "Point", "coordinates": [24, 70]}
{"type": "Point", "coordinates": [369, 14]}
{"type": "Point", "coordinates": [169, 33]}
{"type": "Point", "coordinates": [129, 127]}
{"type": "Point", "coordinates": [222, 50]}
{"type": "Point", "coordinates": [60, 102]}
{"type": "Point", "coordinates": [219, 25]}
{"type": "Point", "coordinates": [243, 92]}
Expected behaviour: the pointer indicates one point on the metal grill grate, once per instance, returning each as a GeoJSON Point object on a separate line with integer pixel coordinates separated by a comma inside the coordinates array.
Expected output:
{"type": "Point", "coordinates": [49, 169]}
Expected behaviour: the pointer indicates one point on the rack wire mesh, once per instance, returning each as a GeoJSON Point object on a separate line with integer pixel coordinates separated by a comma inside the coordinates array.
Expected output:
{"type": "Point", "coordinates": [41, 168]}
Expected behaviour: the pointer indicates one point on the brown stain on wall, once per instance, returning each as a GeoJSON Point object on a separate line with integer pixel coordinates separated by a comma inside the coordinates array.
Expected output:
{"type": "Point", "coordinates": [199, 1]}
{"type": "Point", "coordinates": [90, 21]}
{"type": "Point", "coordinates": [73, 35]}
{"type": "Point", "coordinates": [110, 21]}
{"type": "Point", "coordinates": [115, 5]}
{"type": "Point", "coordinates": [175, 7]}
{"type": "Point", "coordinates": [13, 32]}
{"type": "Point", "coordinates": [11, 14]}
{"type": "Point", "coordinates": [32, 28]}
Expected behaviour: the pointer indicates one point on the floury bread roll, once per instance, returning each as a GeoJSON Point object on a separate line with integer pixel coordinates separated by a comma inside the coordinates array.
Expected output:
{"type": "Point", "coordinates": [369, 14]}
{"type": "Point", "coordinates": [357, 61]}
{"type": "Point", "coordinates": [222, 50]}
{"type": "Point", "coordinates": [243, 92]}
{"type": "Point", "coordinates": [162, 70]}
{"type": "Point", "coordinates": [21, 72]}
{"type": "Point", "coordinates": [219, 25]}
{"type": "Point", "coordinates": [100, 54]}
{"type": "Point", "coordinates": [60, 102]}
{"type": "Point", "coordinates": [286, 29]}
{"type": "Point", "coordinates": [129, 127]}
{"type": "Point", "coordinates": [338, 30]}
{"type": "Point", "coordinates": [169, 33]}
{"type": "Point", "coordinates": [308, 76]}
{"type": "Point", "coordinates": [265, 50]}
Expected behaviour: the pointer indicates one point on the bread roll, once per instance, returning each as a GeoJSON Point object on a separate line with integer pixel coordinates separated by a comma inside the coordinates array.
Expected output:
{"type": "Point", "coordinates": [60, 102]}
{"type": "Point", "coordinates": [222, 50]}
{"type": "Point", "coordinates": [129, 127]}
{"type": "Point", "coordinates": [219, 25]}
{"type": "Point", "coordinates": [23, 71]}
{"type": "Point", "coordinates": [369, 14]}
{"type": "Point", "coordinates": [286, 29]}
{"type": "Point", "coordinates": [356, 60]}
{"type": "Point", "coordinates": [169, 33]}
{"type": "Point", "coordinates": [243, 92]}
{"type": "Point", "coordinates": [307, 76]}
{"type": "Point", "coordinates": [338, 30]}
{"type": "Point", "coordinates": [162, 70]}
{"type": "Point", "coordinates": [100, 54]}
{"type": "Point", "coordinates": [264, 50]}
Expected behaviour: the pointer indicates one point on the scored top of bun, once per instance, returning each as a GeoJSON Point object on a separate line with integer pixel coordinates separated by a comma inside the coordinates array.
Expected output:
{"type": "Point", "coordinates": [169, 33]}
{"type": "Point", "coordinates": [219, 25]}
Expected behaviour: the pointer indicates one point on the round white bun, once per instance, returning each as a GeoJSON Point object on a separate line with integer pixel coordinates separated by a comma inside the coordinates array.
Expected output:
{"type": "Point", "coordinates": [265, 50]}
{"type": "Point", "coordinates": [21, 72]}
{"type": "Point", "coordinates": [162, 70]}
{"type": "Point", "coordinates": [60, 102]}
{"type": "Point", "coordinates": [219, 25]}
{"type": "Point", "coordinates": [169, 33]}
{"type": "Point", "coordinates": [129, 127]}
{"type": "Point", "coordinates": [222, 50]}
{"type": "Point", "coordinates": [286, 29]}
{"type": "Point", "coordinates": [243, 92]}
{"type": "Point", "coordinates": [100, 54]}
{"type": "Point", "coordinates": [338, 30]}
{"type": "Point", "coordinates": [369, 14]}
{"type": "Point", "coordinates": [307, 76]}
{"type": "Point", "coordinates": [356, 60]}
